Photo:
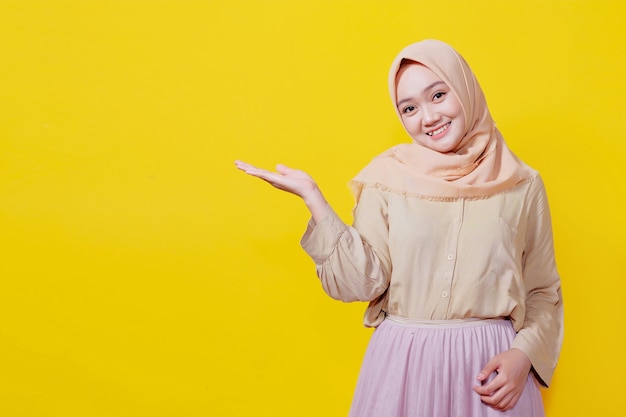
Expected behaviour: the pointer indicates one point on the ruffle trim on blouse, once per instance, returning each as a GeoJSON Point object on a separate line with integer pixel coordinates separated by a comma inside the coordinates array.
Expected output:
{"type": "Point", "coordinates": [358, 186]}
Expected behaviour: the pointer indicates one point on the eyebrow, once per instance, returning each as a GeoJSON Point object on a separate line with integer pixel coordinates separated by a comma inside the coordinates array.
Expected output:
{"type": "Point", "coordinates": [426, 89]}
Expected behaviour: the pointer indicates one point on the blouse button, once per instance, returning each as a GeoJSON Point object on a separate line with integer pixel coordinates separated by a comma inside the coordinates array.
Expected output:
{"type": "Point", "coordinates": [450, 257]}
{"type": "Point", "coordinates": [444, 294]}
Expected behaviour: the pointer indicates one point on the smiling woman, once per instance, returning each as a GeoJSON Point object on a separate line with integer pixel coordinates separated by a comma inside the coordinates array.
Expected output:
{"type": "Point", "coordinates": [461, 330]}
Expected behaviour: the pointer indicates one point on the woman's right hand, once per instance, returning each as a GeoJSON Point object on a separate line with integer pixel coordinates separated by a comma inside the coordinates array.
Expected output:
{"type": "Point", "coordinates": [293, 181]}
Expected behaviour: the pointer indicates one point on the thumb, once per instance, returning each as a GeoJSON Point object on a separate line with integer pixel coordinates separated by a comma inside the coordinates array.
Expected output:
{"type": "Point", "coordinates": [491, 367]}
{"type": "Point", "coordinates": [283, 169]}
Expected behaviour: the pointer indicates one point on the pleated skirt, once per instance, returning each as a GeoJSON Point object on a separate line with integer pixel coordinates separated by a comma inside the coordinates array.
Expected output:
{"type": "Point", "coordinates": [428, 369]}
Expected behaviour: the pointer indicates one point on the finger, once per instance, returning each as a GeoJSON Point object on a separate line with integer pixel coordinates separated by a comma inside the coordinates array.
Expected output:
{"type": "Point", "coordinates": [491, 387]}
{"type": "Point", "coordinates": [513, 401]}
{"type": "Point", "coordinates": [255, 171]}
{"type": "Point", "coordinates": [283, 169]}
{"type": "Point", "coordinates": [247, 168]}
{"type": "Point", "coordinates": [492, 402]}
{"type": "Point", "coordinates": [507, 402]}
{"type": "Point", "coordinates": [504, 398]}
{"type": "Point", "coordinates": [491, 367]}
{"type": "Point", "coordinates": [276, 180]}
{"type": "Point", "coordinates": [242, 164]}
{"type": "Point", "coordinates": [482, 390]}
{"type": "Point", "coordinates": [493, 396]}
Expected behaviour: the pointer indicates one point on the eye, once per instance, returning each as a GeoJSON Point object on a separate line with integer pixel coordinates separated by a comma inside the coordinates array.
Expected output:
{"type": "Point", "coordinates": [408, 109]}
{"type": "Point", "coordinates": [439, 95]}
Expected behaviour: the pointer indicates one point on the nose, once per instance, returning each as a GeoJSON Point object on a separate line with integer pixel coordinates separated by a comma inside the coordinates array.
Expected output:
{"type": "Point", "coordinates": [429, 116]}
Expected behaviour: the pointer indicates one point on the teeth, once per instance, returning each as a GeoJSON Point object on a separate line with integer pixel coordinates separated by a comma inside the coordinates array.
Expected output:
{"type": "Point", "coordinates": [438, 131]}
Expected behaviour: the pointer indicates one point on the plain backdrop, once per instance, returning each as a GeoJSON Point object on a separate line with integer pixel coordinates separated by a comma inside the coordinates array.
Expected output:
{"type": "Point", "coordinates": [141, 274]}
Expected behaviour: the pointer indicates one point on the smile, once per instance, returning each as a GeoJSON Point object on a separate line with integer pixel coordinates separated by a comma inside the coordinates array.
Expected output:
{"type": "Point", "coordinates": [438, 131]}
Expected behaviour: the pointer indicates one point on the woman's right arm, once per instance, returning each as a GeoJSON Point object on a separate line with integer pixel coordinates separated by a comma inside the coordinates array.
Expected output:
{"type": "Point", "coordinates": [353, 263]}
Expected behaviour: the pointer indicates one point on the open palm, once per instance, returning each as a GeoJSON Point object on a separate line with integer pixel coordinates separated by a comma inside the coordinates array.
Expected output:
{"type": "Point", "coordinates": [291, 180]}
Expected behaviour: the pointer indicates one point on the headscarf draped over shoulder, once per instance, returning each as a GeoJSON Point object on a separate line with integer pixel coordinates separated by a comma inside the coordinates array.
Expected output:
{"type": "Point", "coordinates": [480, 166]}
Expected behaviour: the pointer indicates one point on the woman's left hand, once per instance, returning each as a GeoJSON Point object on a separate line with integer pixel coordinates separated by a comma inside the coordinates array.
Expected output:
{"type": "Point", "coordinates": [512, 368]}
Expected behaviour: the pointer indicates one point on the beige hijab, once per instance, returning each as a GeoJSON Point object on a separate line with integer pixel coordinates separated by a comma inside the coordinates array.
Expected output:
{"type": "Point", "coordinates": [479, 167]}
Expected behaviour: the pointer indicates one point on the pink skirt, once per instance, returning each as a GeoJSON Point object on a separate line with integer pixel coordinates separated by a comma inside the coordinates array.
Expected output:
{"type": "Point", "coordinates": [427, 369]}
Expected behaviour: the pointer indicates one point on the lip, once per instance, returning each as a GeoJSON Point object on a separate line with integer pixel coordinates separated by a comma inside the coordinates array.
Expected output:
{"type": "Point", "coordinates": [440, 134]}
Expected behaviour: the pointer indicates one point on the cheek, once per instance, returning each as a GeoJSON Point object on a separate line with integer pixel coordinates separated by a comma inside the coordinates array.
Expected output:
{"type": "Point", "coordinates": [410, 125]}
{"type": "Point", "coordinates": [461, 124]}
{"type": "Point", "coordinates": [460, 115]}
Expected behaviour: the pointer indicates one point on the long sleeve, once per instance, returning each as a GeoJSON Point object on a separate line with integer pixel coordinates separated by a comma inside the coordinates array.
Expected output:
{"type": "Point", "coordinates": [541, 334]}
{"type": "Point", "coordinates": [352, 262]}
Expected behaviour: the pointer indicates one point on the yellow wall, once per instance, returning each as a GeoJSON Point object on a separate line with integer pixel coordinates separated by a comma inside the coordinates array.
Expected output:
{"type": "Point", "coordinates": [142, 275]}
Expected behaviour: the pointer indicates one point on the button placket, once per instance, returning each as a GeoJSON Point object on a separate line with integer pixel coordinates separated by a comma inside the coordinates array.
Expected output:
{"type": "Point", "coordinates": [446, 290]}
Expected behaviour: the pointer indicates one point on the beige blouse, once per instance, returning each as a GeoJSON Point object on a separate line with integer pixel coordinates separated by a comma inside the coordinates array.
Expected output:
{"type": "Point", "coordinates": [462, 258]}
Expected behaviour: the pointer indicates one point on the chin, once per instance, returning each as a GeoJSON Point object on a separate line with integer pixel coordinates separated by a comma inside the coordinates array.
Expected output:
{"type": "Point", "coordinates": [440, 147]}
{"type": "Point", "coordinates": [448, 146]}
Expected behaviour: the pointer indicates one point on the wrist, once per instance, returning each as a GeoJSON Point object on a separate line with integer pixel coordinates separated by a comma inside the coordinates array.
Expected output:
{"type": "Point", "coordinates": [316, 203]}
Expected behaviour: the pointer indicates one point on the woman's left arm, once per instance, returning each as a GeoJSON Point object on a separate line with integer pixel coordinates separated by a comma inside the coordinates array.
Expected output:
{"type": "Point", "coordinates": [538, 342]}
{"type": "Point", "coordinates": [541, 335]}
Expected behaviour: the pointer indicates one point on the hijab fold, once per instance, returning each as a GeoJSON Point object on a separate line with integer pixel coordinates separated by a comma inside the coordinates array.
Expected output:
{"type": "Point", "coordinates": [480, 166]}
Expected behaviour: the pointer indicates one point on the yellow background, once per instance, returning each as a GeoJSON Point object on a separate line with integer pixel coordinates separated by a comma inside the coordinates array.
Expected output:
{"type": "Point", "coordinates": [141, 274]}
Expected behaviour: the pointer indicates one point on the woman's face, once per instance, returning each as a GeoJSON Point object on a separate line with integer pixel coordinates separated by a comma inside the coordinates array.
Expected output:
{"type": "Point", "coordinates": [430, 111]}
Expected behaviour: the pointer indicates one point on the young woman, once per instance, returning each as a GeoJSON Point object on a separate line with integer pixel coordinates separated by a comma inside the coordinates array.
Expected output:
{"type": "Point", "coordinates": [452, 246]}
